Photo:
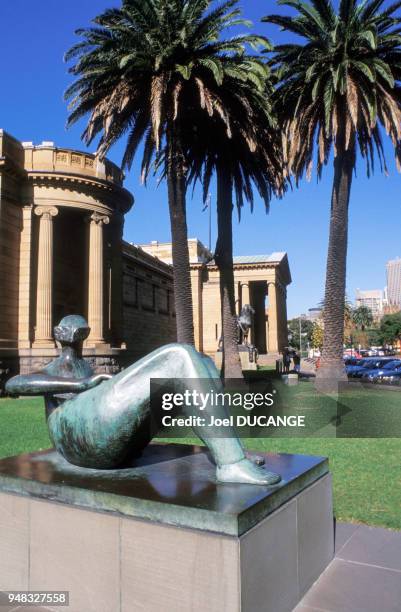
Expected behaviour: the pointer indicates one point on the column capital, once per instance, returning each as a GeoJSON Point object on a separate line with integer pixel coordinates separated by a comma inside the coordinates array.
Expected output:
{"type": "Point", "coordinates": [99, 219]}
{"type": "Point", "coordinates": [46, 211]}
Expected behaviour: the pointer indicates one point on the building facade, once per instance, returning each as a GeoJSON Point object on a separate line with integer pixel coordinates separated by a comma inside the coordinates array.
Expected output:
{"type": "Point", "coordinates": [393, 270]}
{"type": "Point", "coordinates": [62, 252]}
{"type": "Point", "coordinates": [374, 299]}
{"type": "Point", "coordinates": [260, 280]}
{"type": "Point", "coordinates": [148, 302]}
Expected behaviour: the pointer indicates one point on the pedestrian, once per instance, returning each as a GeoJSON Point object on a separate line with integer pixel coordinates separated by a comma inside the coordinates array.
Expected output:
{"type": "Point", "coordinates": [297, 362]}
{"type": "Point", "coordinates": [286, 360]}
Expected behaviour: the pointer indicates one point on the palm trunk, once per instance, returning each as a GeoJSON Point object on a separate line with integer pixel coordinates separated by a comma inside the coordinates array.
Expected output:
{"type": "Point", "coordinates": [179, 237]}
{"type": "Point", "coordinates": [224, 261]}
{"type": "Point", "coordinates": [332, 369]}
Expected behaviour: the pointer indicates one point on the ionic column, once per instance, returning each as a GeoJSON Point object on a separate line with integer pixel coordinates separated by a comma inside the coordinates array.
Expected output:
{"type": "Point", "coordinates": [273, 318]}
{"type": "Point", "coordinates": [283, 320]}
{"type": "Point", "coordinates": [197, 286]}
{"type": "Point", "coordinates": [245, 294]}
{"type": "Point", "coordinates": [267, 318]}
{"type": "Point", "coordinates": [95, 281]}
{"type": "Point", "coordinates": [44, 287]}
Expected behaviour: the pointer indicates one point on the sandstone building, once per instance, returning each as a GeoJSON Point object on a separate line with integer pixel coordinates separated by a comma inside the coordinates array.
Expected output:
{"type": "Point", "coordinates": [62, 252]}
{"type": "Point", "coordinates": [260, 280]}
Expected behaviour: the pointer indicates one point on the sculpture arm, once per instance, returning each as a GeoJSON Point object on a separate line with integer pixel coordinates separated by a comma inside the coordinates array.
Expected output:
{"type": "Point", "coordinates": [41, 383]}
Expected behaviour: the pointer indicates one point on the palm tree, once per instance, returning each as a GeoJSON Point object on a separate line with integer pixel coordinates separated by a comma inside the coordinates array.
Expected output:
{"type": "Point", "coordinates": [338, 87]}
{"type": "Point", "coordinates": [362, 317]}
{"type": "Point", "coordinates": [244, 151]}
{"type": "Point", "coordinates": [138, 71]}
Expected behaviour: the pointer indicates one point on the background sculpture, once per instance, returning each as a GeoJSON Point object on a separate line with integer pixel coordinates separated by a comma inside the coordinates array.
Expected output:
{"type": "Point", "coordinates": [99, 421]}
{"type": "Point", "coordinates": [244, 322]}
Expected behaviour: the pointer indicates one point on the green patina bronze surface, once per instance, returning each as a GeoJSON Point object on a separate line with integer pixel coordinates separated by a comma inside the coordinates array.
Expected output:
{"type": "Point", "coordinates": [172, 484]}
{"type": "Point", "coordinates": [103, 422]}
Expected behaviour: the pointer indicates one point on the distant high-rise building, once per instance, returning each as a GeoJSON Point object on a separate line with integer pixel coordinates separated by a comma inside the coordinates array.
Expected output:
{"type": "Point", "coordinates": [393, 268]}
{"type": "Point", "coordinates": [374, 299]}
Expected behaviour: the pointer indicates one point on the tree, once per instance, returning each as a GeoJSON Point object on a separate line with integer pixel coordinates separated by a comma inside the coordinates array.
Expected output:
{"type": "Point", "coordinates": [336, 88]}
{"type": "Point", "coordinates": [390, 328]}
{"type": "Point", "coordinates": [306, 331]}
{"type": "Point", "coordinates": [374, 337]}
{"type": "Point", "coordinates": [317, 336]}
{"type": "Point", "coordinates": [243, 152]}
{"type": "Point", "coordinates": [139, 71]}
{"type": "Point", "coordinates": [362, 317]}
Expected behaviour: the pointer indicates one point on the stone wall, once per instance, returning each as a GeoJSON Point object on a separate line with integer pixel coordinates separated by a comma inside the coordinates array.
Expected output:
{"type": "Point", "coordinates": [10, 229]}
{"type": "Point", "coordinates": [148, 302]}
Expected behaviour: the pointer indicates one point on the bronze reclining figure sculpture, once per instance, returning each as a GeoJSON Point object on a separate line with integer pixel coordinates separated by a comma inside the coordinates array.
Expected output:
{"type": "Point", "coordinates": [99, 421]}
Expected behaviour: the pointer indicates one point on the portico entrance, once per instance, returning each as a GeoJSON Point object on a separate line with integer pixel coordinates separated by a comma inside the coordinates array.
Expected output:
{"type": "Point", "coordinates": [260, 281]}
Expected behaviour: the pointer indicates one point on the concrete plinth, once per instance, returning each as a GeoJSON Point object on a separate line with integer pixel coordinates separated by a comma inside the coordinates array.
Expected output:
{"type": "Point", "coordinates": [290, 379]}
{"type": "Point", "coordinates": [162, 534]}
{"type": "Point", "coordinates": [246, 363]}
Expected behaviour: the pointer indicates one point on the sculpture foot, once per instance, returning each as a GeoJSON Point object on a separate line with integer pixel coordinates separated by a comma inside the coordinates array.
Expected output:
{"type": "Point", "coordinates": [246, 472]}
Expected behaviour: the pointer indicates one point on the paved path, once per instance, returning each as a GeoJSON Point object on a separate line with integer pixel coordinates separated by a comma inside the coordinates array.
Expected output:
{"type": "Point", "coordinates": [365, 575]}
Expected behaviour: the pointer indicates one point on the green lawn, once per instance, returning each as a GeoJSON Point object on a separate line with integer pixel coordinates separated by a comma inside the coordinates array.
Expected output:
{"type": "Point", "coordinates": [22, 426]}
{"type": "Point", "coordinates": [366, 472]}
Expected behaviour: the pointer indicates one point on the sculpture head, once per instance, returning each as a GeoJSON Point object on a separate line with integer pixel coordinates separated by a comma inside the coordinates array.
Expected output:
{"type": "Point", "coordinates": [72, 329]}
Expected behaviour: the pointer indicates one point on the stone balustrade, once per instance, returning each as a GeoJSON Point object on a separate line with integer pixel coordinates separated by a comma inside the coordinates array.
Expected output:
{"type": "Point", "coordinates": [48, 158]}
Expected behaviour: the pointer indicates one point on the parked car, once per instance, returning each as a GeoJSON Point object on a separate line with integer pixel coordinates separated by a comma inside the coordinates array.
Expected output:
{"type": "Point", "coordinates": [369, 364]}
{"type": "Point", "coordinates": [348, 360]}
{"type": "Point", "coordinates": [389, 368]}
{"type": "Point", "coordinates": [391, 377]}
{"type": "Point", "coordinates": [359, 363]}
{"type": "Point", "coordinates": [352, 354]}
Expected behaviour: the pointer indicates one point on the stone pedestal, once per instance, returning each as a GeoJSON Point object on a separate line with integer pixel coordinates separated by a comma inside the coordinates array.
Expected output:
{"type": "Point", "coordinates": [246, 363]}
{"type": "Point", "coordinates": [162, 534]}
{"type": "Point", "coordinates": [290, 379]}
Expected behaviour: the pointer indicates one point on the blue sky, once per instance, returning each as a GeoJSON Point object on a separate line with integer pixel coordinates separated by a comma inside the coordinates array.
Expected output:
{"type": "Point", "coordinates": [35, 36]}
